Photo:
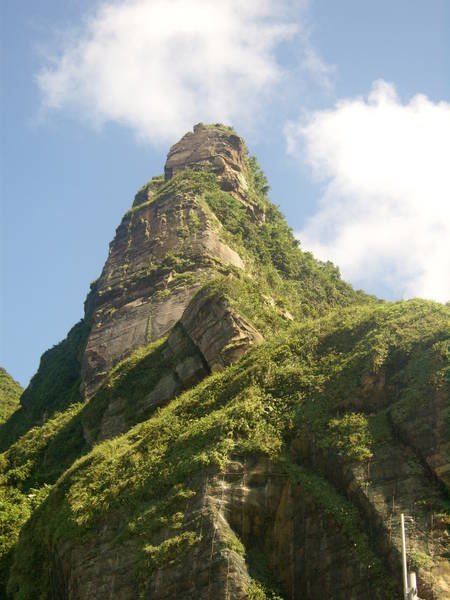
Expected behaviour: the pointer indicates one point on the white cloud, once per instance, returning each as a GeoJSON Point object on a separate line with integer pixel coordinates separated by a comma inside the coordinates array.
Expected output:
{"type": "Point", "coordinates": [384, 216]}
{"type": "Point", "coordinates": [321, 71]}
{"type": "Point", "coordinates": [158, 66]}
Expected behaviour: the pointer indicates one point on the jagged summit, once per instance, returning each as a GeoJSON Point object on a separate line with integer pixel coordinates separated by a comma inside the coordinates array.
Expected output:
{"type": "Point", "coordinates": [215, 148]}
{"type": "Point", "coordinates": [205, 220]}
{"type": "Point", "coordinates": [169, 232]}
{"type": "Point", "coordinates": [207, 146]}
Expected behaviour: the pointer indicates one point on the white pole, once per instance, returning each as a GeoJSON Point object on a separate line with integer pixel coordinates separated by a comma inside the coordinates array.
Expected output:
{"type": "Point", "coordinates": [404, 567]}
{"type": "Point", "coordinates": [413, 586]}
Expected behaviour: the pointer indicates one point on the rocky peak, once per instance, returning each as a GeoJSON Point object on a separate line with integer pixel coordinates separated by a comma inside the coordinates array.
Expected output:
{"type": "Point", "coordinates": [215, 148]}
{"type": "Point", "coordinates": [167, 245]}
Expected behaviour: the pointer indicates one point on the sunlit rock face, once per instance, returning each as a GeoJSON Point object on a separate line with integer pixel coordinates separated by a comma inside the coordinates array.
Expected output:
{"type": "Point", "coordinates": [212, 147]}
{"type": "Point", "coordinates": [163, 249]}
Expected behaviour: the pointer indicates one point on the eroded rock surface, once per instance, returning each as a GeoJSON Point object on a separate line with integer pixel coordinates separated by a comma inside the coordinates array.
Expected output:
{"type": "Point", "coordinates": [209, 336]}
{"type": "Point", "coordinates": [219, 332]}
{"type": "Point", "coordinates": [252, 518]}
{"type": "Point", "coordinates": [162, 251]}
{"type": "Point", "coordinates": [215, 148]}
{"type": "Point", "coordinates": [283, 529]}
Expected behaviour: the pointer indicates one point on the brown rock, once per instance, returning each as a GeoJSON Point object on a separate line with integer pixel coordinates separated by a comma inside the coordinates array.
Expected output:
{"type": "Point", "coordinates": [216, 148]}
{"type": "Point", "coordinates": [219, 332]}
{"type": "Point", "coordinates": [141, 293]}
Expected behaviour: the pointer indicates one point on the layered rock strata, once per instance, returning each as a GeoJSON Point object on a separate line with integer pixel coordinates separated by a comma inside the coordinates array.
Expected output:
{"type": "Point", "coordinates": [163, 249]}
{"type": "Point", "coordinates": [209, 337]}
{"type": "Point", "coordinates": [217, 149]}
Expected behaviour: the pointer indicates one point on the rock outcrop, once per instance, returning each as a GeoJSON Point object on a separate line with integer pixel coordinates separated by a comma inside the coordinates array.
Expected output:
{"type": "Point", "coordinates": [216, 148]}
{"type": "Point", "coordinates": [209, 336]}
{"type": "Point", "coordinates": [219, 332]}
{"type": "Point", "coordinates": [163, 249]}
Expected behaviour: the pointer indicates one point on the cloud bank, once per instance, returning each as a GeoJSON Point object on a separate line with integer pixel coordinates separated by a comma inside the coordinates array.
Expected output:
{"type": "Point", "coordinates": [384, 216]}
{"type": "Point", "coordinates": [158, 66]}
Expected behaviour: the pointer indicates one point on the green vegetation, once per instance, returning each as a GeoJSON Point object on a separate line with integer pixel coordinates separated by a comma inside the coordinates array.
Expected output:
{"type": "Point", "coordinates": [170, 550]}
{"type": "Point", "coordinates": [10, 392]}
{"type": "Point", "coordinates": [14, 511]}
{"type": "Point", "coordinates": [294, 385]}
{"type": "Point", "coordinates": [258, 591]}
{"type": "Point", "coordinates": [258, 177]}
{"type": "Point", "coordinates": [43, 452]}
{"type": "Point", "coordinates": [280, 281]}
{"type": "Point", "coordinates": [28, 468]}
{"type": "Point", "coordinates": [419, 560]}
{"type": "Point", "coordinates": [55, 386]}
{"type": "Point", "coordinates": [221, 126]}
{"type": "Point", "coordinates": [305, 387]}
{"type": "Point", "coordinates": [341, 510]}
{"type": "Point", "coordinates": [349, 436]}
{"type": "Point", "coordinates": [144, 194]}
{"type": "Point", "coordinates": [233, 543]}
{"type": "Point", "coordinates": [263, 585]}
{"type": "Point", "coordinates": [133, 378]}
{"type": "Point", "coordinates": [296, 281]}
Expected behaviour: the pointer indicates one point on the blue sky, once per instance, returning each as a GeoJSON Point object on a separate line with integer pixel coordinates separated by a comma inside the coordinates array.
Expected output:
{"type": "Point", "coordinates": [346, 105]}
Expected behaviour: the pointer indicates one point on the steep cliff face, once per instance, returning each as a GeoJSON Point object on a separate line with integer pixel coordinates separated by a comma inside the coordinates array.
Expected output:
{"type": "Point", "coordinates": [230, 419]}
{"type": "Point", "coordinates": [166, 245]}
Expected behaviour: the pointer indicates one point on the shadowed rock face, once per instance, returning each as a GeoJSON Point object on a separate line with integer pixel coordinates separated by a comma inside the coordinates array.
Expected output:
{"type": "Point", "coordinates": [209, 336]}
{"type": "Point", "coordinates": [138, 298]}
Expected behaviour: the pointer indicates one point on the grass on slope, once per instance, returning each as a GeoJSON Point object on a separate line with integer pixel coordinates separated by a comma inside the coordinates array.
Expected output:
{"type": "Point", "coordinates": [10, 392]}
{"type": "Point", "coordinates": [139, 483]}
{"type": "Point", "coordinates": [26, 470]}
{"type": "Point", "coordinates": [54, 387]}
{"type": "Point", "coordinates": [36, 460]}
{"type": "Point", "coordinates": [44, 452]}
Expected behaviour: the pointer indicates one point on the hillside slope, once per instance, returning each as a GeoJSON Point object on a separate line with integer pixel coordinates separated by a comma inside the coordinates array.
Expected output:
{"type": "Point", "coordinates": [10, 392]}
{"type": "Point", "coordinates": [232, 419]}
